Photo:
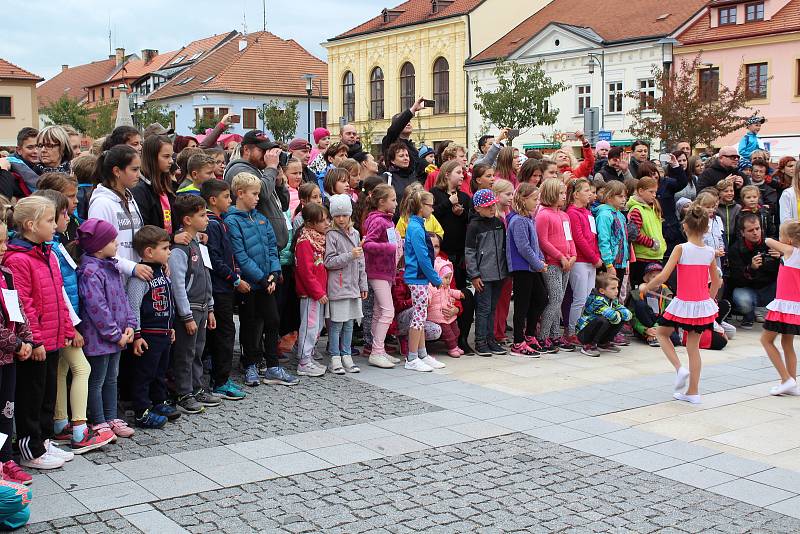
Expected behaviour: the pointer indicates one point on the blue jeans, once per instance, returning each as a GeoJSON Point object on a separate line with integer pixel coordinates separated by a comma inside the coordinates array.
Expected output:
{"type": "Point", "coordinates": [102, 401]}
{"type": "Point", "coordinates": [485, 304]}
{"type": "Point", "coordinates": [340, 336]}
{"type": "Point", "coordinates": [746, 299]}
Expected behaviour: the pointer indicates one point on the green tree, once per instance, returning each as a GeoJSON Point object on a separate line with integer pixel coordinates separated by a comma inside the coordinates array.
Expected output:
{"type": "Point", "coordinates": [101, 120]}
{"type": "Point", "coordinates": [66, 110]}
{"type": "Point", "coordinates": [521, 99]}
{"type": "Point", "coordinates": [151, 112]}
{"type": "Point", "coordinates": [683, 111]}
{"type": "Point", "coordinates": [203, 123]}
{"type": "Point", "coordinates": [280, 120]}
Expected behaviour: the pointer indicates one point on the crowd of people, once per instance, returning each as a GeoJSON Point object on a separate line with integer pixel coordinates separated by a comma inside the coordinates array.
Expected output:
{"type": "Point", "coordinates": [124, 266]}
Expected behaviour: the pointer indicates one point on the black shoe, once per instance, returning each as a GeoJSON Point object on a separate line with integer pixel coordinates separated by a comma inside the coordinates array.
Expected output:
{"type": "Point", "coordinates": [724, 310]}
{"type": "Point", "coordinates": [463, 344]}
{"type": "Point", "coordinates": [207, 399]}
{"type": "Point", "coordinates": [496, 348]}
{"type": "Point", "coordinates": [482, 349]}
{"type": "Point", "coordinates": [189, 404]}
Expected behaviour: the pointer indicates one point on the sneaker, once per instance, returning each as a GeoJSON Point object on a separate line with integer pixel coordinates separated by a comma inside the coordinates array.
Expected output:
{"type": "Point", "coordinates": [349, 366]}
{"type": "Point", "coordinates": [590, 350]}
{"type": "Point", "coordinates": [653, 342]}
{"type": "Point", "coordinates": [309, 369]}
{"type": "Point", "coordinates": [433, 363]}
{"type": "Point", "coordinates": [533, 343]}
{"type": "Point", "coordinates": [454, 353]}
{"type": "Point", "coordinates": [621, 340]}
{"type": "Point", "coordinates": [418, 365]}
{"type": "Point", "coordinates": [104, 430]}
{"type": "Point", "coordinates": [229, 391]}
{"type": "Point", "coordinates": [121, 428]}
{"type": "Point", "coordinates": [482, 349]}
{"type": "Point", "coordinates": [170, 412]}
{"type": "Point", "coordinates": [91, 440]}
{"type": "Point", "coordinates": [280, 376]}
{"type": "Point", "coordinates": [393, 359]}
{"type": "Point", "coordinates": [65, 436]}
{"type": "Point", "coordinates": [262, 368]}
{"type": "Point", "coordinates": [189, 404]}
{"type": "Point", "coordinates": [784, 387]}
{"type": "Point", "coordinates": [609, 347]}
{"type": "Point", "coordinates": [566, 343]}
{"type": "Point", "coordinates": [548, 347]}
{"type": "Point", "coordinates": [380, 360]}
{"type": "Point", "coordinates": [45, 461]}
{"type": "Point", "coordinates": [496, 348]}
{"type": "Point", "coordinates": [207, 399]}
{"type": "Point", "coordinates": [523, 350]}
{"type": "Point", "coordinates": [354, 351]}
{"type": "Point", "coordinates": [52, 450]}
{"type": "Point", "coordinates": [14, 473]}
{"type": "Point", "coordinates": [336, 365]}
{"type": "Point", "coordinates": [251, 376]}
{"type": "Point", "coordinates": [150, 419]}
{"type": "Point", "coordinates": [746, 325]}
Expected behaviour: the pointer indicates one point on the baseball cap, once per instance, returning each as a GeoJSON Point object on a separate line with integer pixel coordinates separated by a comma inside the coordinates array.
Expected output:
{"type": "Point", "coordinates": [258, 138]}
{"type": "Point", "coordinates": [653, 268]}
{"type": "Point", "coordinates": [484, 198]}
{"type": "Point", "coordinates": [157, 129]}
{"type": "Point", "coordinates": [755, 119]}
{"type": "Point", "coordinates": [299, 144]}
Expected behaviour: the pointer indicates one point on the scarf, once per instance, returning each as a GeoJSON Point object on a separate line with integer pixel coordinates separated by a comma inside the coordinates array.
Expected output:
{"type": "Point", "coordinates": [316, 239]}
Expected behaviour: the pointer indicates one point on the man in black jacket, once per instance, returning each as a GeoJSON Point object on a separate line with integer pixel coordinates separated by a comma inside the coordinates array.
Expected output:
{"type": "Point", "coordinates": [615, 168]}
{"type": "Point", "coordinates": [753, 269]}
{"type": "Point", "coordinates": [349, 136]}
{"type": "Point", "coordinates": [400, 130]}
{"type": "Point", "coordinates": [725, 166]}
{"type": "Point", "coordinates": [301, 150]}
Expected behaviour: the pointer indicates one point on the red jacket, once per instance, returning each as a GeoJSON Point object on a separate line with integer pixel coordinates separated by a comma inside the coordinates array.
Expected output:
{"type": "Point", "coordinates": [586, 168]}
{"type": "Point", "coordinates": [310, 276]}
{"type": "Point", "coordinates": [585, 240]}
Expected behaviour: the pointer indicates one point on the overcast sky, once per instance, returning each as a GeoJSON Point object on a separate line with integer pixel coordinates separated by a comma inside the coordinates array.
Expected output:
{"type": "Point", "coordinates": [41, 35]}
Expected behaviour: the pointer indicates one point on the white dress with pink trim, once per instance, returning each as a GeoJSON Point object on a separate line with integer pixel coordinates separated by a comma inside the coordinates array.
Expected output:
{"type": "Point", "coordinates": [783, 315]}
{"type": "Point", "coordinates": [692, 308]}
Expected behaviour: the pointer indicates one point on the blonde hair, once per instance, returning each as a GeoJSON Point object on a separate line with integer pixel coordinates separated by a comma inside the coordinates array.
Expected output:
{"type": "Point", "coordinates": [417, 200]}
{"type": "Point", "coordinates": [611, 189]}
{"type": "Point", "coordinates": [748, 188]}
{"type": "Point", "coordinates": [724, 184]}
{"type": "Point", "coordinates": [550, 192]}
{"type": "Point", "coordinates": [706, 199]}
{"type": "Point", "coordinates": [56, 134]}
{"type": "Point", "coordinates": [6, 210]}
{"type": "Point", "coordinates": [244, 181]}
{"type": "Point", "coordinates": [30, 208]}
{"type": "Point", "coordinates": [501, 185]}
{"type": "Point", "coordinates": [404, 209]}
{"type": "Point", "coordinates": [523, 192]}
{"type": "Point", "coordinates": [350, 165]}
{"type": "Point", "coordinates": [791, 230]}
{"type": "Point", "coordinates": [573, 161]}
{"type": "Point", "coordinates": [451, 152]}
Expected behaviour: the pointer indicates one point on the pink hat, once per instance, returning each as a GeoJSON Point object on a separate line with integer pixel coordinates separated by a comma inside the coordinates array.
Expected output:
{"type": "Point", "coordinates": [603, 144]}
{"type": "Point", "coordinates": [319, 133]}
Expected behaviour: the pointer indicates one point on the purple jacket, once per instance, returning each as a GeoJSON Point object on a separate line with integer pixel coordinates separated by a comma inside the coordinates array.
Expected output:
{"type": "Point", "coordinates": [105, 313]}
{"type": "Point", "coordinates": [379, 254]}
{"type": "Point", "coordinates": [522, 247]}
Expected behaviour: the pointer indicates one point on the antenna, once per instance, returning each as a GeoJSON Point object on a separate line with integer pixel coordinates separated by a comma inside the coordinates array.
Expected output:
{"type": "Point", "coordinates": [244, 21]}
{"type": "Point", "coordinates": [110, 51]}
{"type": "Point", "coordinates": [264, 7]}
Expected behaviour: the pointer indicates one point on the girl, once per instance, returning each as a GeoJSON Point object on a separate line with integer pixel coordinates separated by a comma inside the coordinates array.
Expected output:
{"type": "Point", "coordinates": [612, 238]}
{"type": "Point", "coordinates": [293, 172]}
{"type": "Point", "coordinates": [154, 193]}
{"type": "Point", "coordinates": [322, 138]}
{"type": "Point", "coordinates": [354, 172]}
{"type": "Point", "coordinates": [504, 193]}
{"type": "Point", "coordinates": [219, 161]}
{"type": "Point", "coordinates": [482, 177]}
{"type": "Point", "coordinates": [311, 281]}
{"type": "Point", "coordinates": [38, 283]}
{"type": "Point", "coordinates": [694, 168]}
{"type": "Point", "coordinates": [404, 213]}
{"type": "Point", "coordinates": [788, 203]}
{"type": "Point", "coordinates": [336, 182]}
{"type": "Point", "coordinates": [526, 263]}
{"type": "Point", "coordinates": [380, 256]}
{"type": "Point", "coordinates": [584, 234]}
{"type": "Point", "coordinates": [107, 323]}
{"type": "Point", "coordinates": [783, 316]}
{"type": "Point", "coordinates": [530, 172]}
{"type": "Point", "coordinates": [714, 237]}
{"type": "Point", "coordinates": [782, 178]}
{"type": "Point", "coordinates": [751, 201]}
{"type": "Point", "coordinates": [451, 206]}
{"type": "Point", "coordinates": [692, 309]}
{"type": "Point", "coordinates": [555, 239]}
{"type": "Point", "coordinates": [307, 193]}
{"type": "Point", "coordinates": [727, 209]}
{"type": "Point", "coordinates": [347, 283]}
{"type": "Point", "coordinates": [419, 273]}
{"type": "Point", "coordinates": [442, 309]}
{"type": "Point", "coordinates": [507, 166]}
{"type": "Point", "coordinates": [644, 212]}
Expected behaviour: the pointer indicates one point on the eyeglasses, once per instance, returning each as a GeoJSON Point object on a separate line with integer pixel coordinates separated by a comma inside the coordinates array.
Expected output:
{"type": "Point", "coordinates": [48, 146]}
{"type": "Point", "coordinates": [729, 157]}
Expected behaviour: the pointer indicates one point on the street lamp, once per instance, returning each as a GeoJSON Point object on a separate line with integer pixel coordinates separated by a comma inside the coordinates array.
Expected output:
{"type": "Point", "coordinates": [599, 60]}
{"type": "Point", "coordinates": [309, 89]}
{"type": "Point", "coordinates": [667, 44]}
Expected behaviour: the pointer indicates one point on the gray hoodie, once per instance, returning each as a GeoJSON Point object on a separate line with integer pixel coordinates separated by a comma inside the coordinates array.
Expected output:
{"type": "Point", "coordinates": [347, 276]}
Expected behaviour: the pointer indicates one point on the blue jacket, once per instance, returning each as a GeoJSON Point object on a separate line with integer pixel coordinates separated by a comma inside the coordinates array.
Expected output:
{"type": "Point", "coordinates": [522, 244]}
{"type": "Point", "coordinates": [254, 246]}
{"type": "Point", "coordinates": [612, 239]}
{"type": "Point", "coordinates": [749, 143]}
{"type": "Point", "coordinates": [223, 263]}
{"type": "Point", "coordinates": [419, 255]}
{"type": "Point", "coordinates": [598, 305]}
{"type": "Point", "coordinates": [68, 274]}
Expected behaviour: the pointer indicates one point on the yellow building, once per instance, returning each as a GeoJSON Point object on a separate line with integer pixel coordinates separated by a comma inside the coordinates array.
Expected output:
{"type": "Point", "coordinates": [417, 48]}
{"type": "Point", "coordinates": [18, 105]}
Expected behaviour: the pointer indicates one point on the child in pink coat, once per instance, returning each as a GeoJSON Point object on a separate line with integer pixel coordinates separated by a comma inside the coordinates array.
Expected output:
{"type": "Point", "coordinates": [442, 309]}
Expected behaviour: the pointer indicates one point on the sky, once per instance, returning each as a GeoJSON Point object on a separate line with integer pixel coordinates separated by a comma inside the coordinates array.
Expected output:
{"type": "Point", "coordinates": [42, 35]}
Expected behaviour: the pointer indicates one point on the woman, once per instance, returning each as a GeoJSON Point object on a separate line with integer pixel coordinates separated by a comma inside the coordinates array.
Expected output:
{"type": "Point", "coordinates": [782, 179]}
{"type": "Point", "coordinates": [124, 135]}
{"type": "Point", "coordinates": [367, 166]}
{"type": "Point", "coordinates": [153, 193]}
{"type": "Point", "coordinates": [55, 151]}
{"type": "Point", "coordinates": [399, 173]}
{"type": "Point", "coordinates": [567, 163]}
{"type": "Point", "coordinates": [787, 205]}
{"type": "Point", "coordinates": [694, 168]}
{"type": "Point", "coordinates": [451, 207]}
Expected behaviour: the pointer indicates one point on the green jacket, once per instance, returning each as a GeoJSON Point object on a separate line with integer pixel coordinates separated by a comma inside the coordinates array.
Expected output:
{"type": "Point", "coordinates": [663, 300]}
{"type": "Point", "coordinates": [652, 227]}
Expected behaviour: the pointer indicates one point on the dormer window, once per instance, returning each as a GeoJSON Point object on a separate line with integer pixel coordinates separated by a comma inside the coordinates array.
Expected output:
{"type": "Point", "coordinates": [440, 5]}
{"type": "Point", "coordinates": [727, 15]}
{"type": "Point", "coordinates": [754, 12]}
{"type": "Point", "coordinates": [390, 15]}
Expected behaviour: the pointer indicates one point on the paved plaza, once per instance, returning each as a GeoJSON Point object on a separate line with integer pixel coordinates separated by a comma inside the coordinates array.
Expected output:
{"type": "Point", "coordinates": [565, 443]}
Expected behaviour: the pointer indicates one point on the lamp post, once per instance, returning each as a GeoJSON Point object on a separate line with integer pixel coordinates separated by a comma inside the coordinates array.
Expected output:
{"type": "Point", "coordinates": [667, 44]}
{"type": "Point", "coordinates": [309, 89]}
{"type": "Point", "coordinates": [600, 61]}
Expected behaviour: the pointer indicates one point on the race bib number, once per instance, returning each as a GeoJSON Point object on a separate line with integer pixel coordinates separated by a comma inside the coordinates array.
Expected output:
{"type": "Point", "coordinates": [567, 231]}
{"type": "Point", "coordinates": [11, 298]}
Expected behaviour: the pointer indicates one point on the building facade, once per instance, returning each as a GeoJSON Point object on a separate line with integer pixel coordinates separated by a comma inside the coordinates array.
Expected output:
{"type": "Point", "coordinates": [19, 106]}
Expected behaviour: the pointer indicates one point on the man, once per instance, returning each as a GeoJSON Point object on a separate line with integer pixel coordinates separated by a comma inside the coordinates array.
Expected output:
{"type": "Point", "coordinates": [349, 136]}
{"type": "Point", "coordinates": [485, 143]}
{"type": "Point", "coordinates": [260, 157]}
{"type": "Point", "coordinates": [301, 150]}
{"type": "Point", "coordinates": [684, 147]}
{"type": "Point", "coordinates": [750, 141]}
{"type": "Point", "coordinates": [400, 130]}
{"type": "Point", "coordinates": [615, 168]}
{"type": "Point", "coordinates": [22, 165]}
{"type": "Point", "coordinates": [156, 129]}
{"type": "Point", "coordinates": [601, 155]}
{"type": "Point", "coordinates": [753, 270]}
{"type": "Point", "coordinates": [726, 166]}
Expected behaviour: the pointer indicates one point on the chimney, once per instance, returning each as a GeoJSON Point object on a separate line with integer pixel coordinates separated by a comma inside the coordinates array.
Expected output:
{"type": "Point", "coordinates": [64, 67]}
{"type": "Point", "coordinates": [148, 54]}
{"type": "Point", "coordinates": [242, 44]}
{"type": "Point", "coordinates": [120, 56]}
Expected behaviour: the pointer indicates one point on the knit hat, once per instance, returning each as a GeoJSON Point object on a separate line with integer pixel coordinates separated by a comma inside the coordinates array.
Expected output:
{"type": "Point", "coordinates": [484, 198]}
{"type": "Point", "coordinates": [653, 268]}
{"type": "Point", "coordinates": [681, 202]}
{"type": "Point", "coordinates": [320, 133]}
{"type": "Point", "coordinates": [424, 150]}
{"type": "Point", "coordinates": [299, 144]}
{"type": "Point", "coordinates": [602, 144]}
{"type": "Point", "coordinates": [341, 205]}
{"type": "Point", "coordinates": [94, 234]}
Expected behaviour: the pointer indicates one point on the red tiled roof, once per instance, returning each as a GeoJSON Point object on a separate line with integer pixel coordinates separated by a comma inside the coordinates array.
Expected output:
{"type": "Point", "coordinates": [201, 46]}
{"type": "Point", "coordinates": [136, 68]}
{"type": "Point", "coordinates": [9, 71]}
{"type": "Point", "coordinates": [411, 12]}
{"type": "Point", "coordinates": [787, 19]}
{"type": "Point", "coordinates": [73, 81]}
{"type": "Point", "coordinates": [613, 20]}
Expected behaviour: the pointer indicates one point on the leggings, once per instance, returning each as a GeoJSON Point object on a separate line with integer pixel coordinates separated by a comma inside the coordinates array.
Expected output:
{"type": "Point", "coordinates": [555, 281]}
{"type": "Point", "coordinates": [581, 280]}
{"type": "Point", "coordinates": [366, 323]}
{"type": "Point", "coordinates": [72, 359]}
{"type": "Point", "coordinates": [382, 314]}
{"type": "Point", "coordinates": [419, 298]}
{"type": "Point", "coordinates": [8, 384]}
{"type": "Point", "coordinates": [530, 298]}
{"type": "Point", "coordinates": [432, 330]}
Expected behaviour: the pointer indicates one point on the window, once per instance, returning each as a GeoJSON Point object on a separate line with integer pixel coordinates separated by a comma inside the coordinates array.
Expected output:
{"type": "Point", "coordinates": [348, 97]}
{"type": "Point", "coordinates": [320, 119]}
{"type": "Point", "coordinates": [647, 93]}
{"type": "Point", "coordinates": [709, 84]}
{"type": "Point", "coordinates": [5, 106]}
{"type": "Point", "coordinates": [584, 97]}
{"type": "Point", "coordinates": [441, 86]}
{"type": "Point", "coordinates": [208, 113]}
{"type": "Point", "coordinates": [727, 15]}
{"type": "Point", "coordinates": [112, 92]}
{"type": "Point", "coordinates": [195, 56]}
{"type": "Point", "coordinates": [756, 80]}
{"type": "Point", "coordinates": [223, 112]}
{"type": "Point", "coordinates": [754, 12]}
{"type": "Point", "coordinates": [407, 86]}
{"type": "Point", "coordinates": [178, 60]}
{"type": "Point", "coordinates": [376, 93]}
{"type": "Point", "coordinates": [102, 93]}
{"type": "Point", "coordinates": [172, 119]}
{"type": "Point", "coordinates": [94, 95]}
{"type": "Point", "coordinates": [615, 97]}
{"type": "Point", "coordinates": [208, 79]}
{"type": "Point", "coordinates": [248, 119]}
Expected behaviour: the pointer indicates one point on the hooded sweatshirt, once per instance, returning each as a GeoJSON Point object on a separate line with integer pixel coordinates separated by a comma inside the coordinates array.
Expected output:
{"type": "Point", "coordinates": [444, 297]}
{"type": "Point", "coordinates": [612, 239]}
{"type": "Point", "coordinates": [346, 275]}
{"type": "Point", "coordinates": [380, 254]}
{"type": "Point", "coordinates": [105, 204]}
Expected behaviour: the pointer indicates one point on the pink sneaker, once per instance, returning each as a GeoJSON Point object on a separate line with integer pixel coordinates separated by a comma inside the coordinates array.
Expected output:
{"type": "Point", "coordinates": [104, 431]}
{"type": "Point", "coordinates": [121, 428]}
{"type": "Point", "coordinates": [454, 353]}
{"type": "Point", "coordinates": [14, 473]}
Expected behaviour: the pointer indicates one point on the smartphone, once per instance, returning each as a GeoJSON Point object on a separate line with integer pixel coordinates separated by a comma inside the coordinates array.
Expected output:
{"type": "Point", "coordinates": [236, 119]}
{"type": "Point", "coordinates": [512, 133]}
{"type": "Point", "coordinates": [665, 157]}
{"type": "Point", "coordinates": [428, 103]}
{"type": "Point", "coordinates": [570, 136]}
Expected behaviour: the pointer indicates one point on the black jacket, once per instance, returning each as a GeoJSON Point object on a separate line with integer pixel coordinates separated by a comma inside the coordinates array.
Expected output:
{"type": "Point", "coordinates": [150, 205]}
{"type": "Point", "coordinates": [715, 173]}
{"type": "Point", "coordinates": [674, 181]}
{"type": "Point", "coordinates": [309, 175]}
{"type": "Point", "coordinates": [400, 179]}
{"type": "Point", "coordinates": [741, 272]}
{"type": "Point", "coordinates": [609, 173]}
{"type": "Point", "coordinates": [455, 226]}
{"type": "Point", "coordinates": [393, 134]}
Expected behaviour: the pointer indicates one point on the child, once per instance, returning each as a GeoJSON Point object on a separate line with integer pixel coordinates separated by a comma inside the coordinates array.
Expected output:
{"type": "Point", "coordinates": [504, 192]}
{"type": "Point", "coordinates": [441, 305]}
{"type": "Point", "coordinates": [751, 202]}
{"type": "Point", "coordinates": [154, 311]}
{"type": "Point", "coordinates": [225, 283]}
{"type": "Point", "coordinates": [555, 239]}
{"type": "Point", "coordinates": [307, 192]}
{"type": "Point", "coordinates": [728, 210]}
{"type": "Point", "coordinates": [783, 316]}
{"type": "Point", "coordinates": [218, 155]}
{"type": "Point", "coordinates": [485, 253]}
{"type": "Point", "coordinates": [647, 310]}
{"type": "Point", "coordinates": [256, 253]}
{"type": "Point", "coordinates": [380, 257]}
{"type": "Point", "coordinates": [38, 283]}
{"type": "Point", "coordinates": [482, 177]}
{"type": "Point", "coordinates": [419, 273]}
{"type": "Point", "coordinates": [67, 186]}
{"type": "Point", "coordinates": [311, 281]}
{"type": "Point", "coordinates": [526, 263]}
{"type": "Point", "coordinates": [201, 169]}
{"type": "Point", "coordinates": [336, 182]}
{"type": "Point", "coordinates": [404, 213]}
{"type": "Point", "coordinates": [692, 309]}
{"type": "Point", "coordinates": [194, 305]}
{"type": "Point", "coordinates": [644, 212]}
{"type": "Point", "coordinates": [107, 322]}
{"type": "Point", "coordinates": [82, 169]}
{"type": "Point", "coordinates": [347, 283]}
{"type": "Point", "coordinates": [714, 236]}
{"type": "Point", "coordinates": [602, 317]}
{"type": "Point", "coordinates": [354, 173]}
{"type": "Point", "coordinates": [612, 238]}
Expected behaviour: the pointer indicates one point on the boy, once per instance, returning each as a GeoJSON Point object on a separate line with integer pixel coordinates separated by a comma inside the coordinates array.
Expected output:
{"type": "Point", "coordinates": [752, 203]}
{"type": "Point", "coordinates": [255, 251]}
{"type": "Point", "coordinates": [225, 282]}
{"type": "Point", "coordinates": [485, 253]}
{"type": "Point", "coordinates": [153, 307]}
{"type": "Point", "coordinates": [191, 286]}
{"type": "Point", "coordinates": [602, 318]}
{"type": "Point", "coordinates": [646, 312]}
{"type": "Point", "coordinates": [200, 168]}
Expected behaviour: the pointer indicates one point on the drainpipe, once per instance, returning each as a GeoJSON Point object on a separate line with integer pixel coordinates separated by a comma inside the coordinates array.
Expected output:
{"type": "Point", "coordinates": [466, 77]}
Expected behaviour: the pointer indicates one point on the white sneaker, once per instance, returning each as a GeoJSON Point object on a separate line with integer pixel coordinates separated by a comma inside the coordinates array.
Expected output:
{"type": "Point", "coordinates": [393, 359]}
{"type": "Point", "coordinates": [682, 376]}
{"type": "Point", "coordinates": [430, 361]}
{"type": "Point", "coordinates": [52, 450]}
{"type": "Point", "coordinates": [336, 365]}
{"type": "Point", "coordinates": [380, 360]}
{"type": "Point", "coordinates": [785, 388]}
{"type": "Point", "coordinates": [349, 366]}
{"type": "Point", "coordinates": [691, 399]}
{"type": "Point", "coordinates": [45, 461]}
{"type": "Point", "coordinates": [418, 365]}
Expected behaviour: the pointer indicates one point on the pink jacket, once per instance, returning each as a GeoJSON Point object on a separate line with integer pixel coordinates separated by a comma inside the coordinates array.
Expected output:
{"type": "Point", "coordinates": [438, 299]}
{"type": "Point", "coordinates": [380, 255]}
{"type": "Point", "coordinates": [551, 229]}
{"type": "Point", "coordinates": [37, 279]}
{"type": "Point", "coordinates": [585, 239]}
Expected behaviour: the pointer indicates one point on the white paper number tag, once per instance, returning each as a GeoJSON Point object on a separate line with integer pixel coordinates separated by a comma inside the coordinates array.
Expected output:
{"type": "Point", "coordinates": [72, 315]}
{"type": "Point", "coordinates": [205, 255]}
{"type": "Point", "coordinates": [567, 232]}
{"type": "Point", "coordinates": [66, 255]}
{"type": "Point", "coordinates": [592, 225]}
{"type": "Point", "coordinates": [11, 299]}
{"type": "Point", "coordinates": [391, 235]}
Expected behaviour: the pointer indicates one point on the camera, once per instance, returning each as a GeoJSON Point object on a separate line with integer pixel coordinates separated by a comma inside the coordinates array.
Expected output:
{"type": "Point", "coordinates": [284, 157]}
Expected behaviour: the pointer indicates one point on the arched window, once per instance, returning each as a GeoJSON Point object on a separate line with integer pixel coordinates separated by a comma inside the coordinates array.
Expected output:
{"type": "Point", "coordinates": [376, 93]}
{"type": "Point", "coordinates": [441, 86]}
{"type": "Point", "coordinates": [348, 97]}
{"type": "Point", "coordinates": [407, 86]}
